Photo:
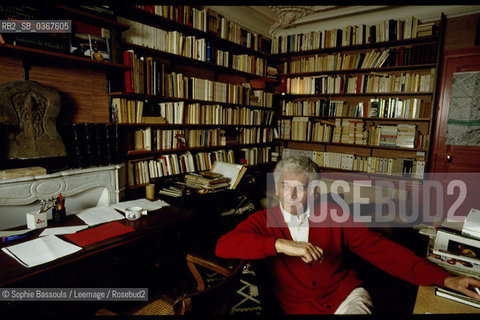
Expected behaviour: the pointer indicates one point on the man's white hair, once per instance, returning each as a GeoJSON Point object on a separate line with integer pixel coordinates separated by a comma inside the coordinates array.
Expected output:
{"type": "Point", "coordinates": [298, 164]}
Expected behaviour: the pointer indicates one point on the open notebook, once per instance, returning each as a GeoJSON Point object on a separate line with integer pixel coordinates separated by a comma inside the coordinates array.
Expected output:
{"type": "Point", "coordinates": [41, 250]}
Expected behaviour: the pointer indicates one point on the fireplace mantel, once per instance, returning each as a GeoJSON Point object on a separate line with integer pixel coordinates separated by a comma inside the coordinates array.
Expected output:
{"type": "Point", "coordinates": [81, 188]}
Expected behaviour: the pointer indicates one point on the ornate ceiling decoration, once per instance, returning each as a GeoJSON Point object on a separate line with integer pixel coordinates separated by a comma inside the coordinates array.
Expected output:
{"type": "Point", "coordinates": [289, 15]}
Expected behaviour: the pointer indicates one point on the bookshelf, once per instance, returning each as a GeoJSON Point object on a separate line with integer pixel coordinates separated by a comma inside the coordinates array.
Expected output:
{"type": "Point", "coordinates": [208, 84]}
{"type": "Point", "coordinates": [361, 98]}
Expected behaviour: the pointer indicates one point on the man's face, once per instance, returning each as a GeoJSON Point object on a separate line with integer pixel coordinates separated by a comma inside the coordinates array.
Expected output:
{"type": "Point", "coordinates": [291, 191]}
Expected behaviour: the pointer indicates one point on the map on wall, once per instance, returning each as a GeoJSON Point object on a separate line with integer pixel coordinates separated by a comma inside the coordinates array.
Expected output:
{"type": "Point", "coordinates": [463, 125]}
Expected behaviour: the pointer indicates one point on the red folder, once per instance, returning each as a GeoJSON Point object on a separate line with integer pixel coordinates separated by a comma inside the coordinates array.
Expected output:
{"type": "Point", "coordinates": [103, 232]}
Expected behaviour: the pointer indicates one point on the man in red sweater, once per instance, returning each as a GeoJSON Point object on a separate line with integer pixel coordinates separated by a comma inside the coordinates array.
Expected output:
{"type": "Point", "coordinates": [305, 256]}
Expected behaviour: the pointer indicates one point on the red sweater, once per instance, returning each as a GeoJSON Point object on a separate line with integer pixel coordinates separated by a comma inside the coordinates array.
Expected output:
{"type": "Point", "coordinates": [321, 287]}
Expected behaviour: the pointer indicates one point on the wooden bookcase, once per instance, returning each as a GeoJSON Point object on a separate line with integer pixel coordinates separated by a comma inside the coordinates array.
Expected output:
{"type": "Point", "coordinates": [348, 89]}
{"type": "Point", "coordinates": [232, 123]}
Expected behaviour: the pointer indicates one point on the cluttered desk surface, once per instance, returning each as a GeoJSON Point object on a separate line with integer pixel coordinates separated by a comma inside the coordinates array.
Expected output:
{"type": "Point", "coordinates": [87, 242]}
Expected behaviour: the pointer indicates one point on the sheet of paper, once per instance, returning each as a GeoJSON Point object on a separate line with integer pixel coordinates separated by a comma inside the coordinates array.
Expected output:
{"type": "Point", "coordinates": [14, 232]}
{"type": "Point", "coordinates": [144, 203]}
{"type": "Point", "coordinates": [98, 215]}
{"type": "Point", "coordinates": [41, 250]}
{"type": "Point", "coordinates": [62, 230]}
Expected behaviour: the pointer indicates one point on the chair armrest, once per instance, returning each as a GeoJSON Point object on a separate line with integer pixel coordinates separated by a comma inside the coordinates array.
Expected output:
{"type": "Point", "coordinates": [193, 260]}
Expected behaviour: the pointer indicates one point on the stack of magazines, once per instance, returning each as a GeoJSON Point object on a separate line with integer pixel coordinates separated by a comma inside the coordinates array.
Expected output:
{"type": "Point", "coordinates": [457, 252]}
{"type": "Point", "coordinates": [207, 181]}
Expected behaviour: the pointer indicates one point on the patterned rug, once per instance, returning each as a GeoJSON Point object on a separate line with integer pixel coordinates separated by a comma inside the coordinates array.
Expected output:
{"type": "Point", "coordinates": [247, 299]}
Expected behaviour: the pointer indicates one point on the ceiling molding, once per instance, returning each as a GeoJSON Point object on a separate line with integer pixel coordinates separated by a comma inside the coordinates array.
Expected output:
{"type": "Point", "coordinates": [338, 11]}
{"type": "Point", "coordinates": [289, 15]}
{"type": "Point", "coordinates": [270, 21]}
{"type": "Point", "coordinates": [450, 12]}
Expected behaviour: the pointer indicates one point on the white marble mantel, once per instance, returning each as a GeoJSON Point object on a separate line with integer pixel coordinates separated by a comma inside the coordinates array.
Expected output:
{"type": "Point", "coordinates": [81, 188]}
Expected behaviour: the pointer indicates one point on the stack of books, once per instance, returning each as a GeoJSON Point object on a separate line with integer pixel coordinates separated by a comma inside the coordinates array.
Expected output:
{"type": "Point", "coordinates": [406, 135]}
{"type": "Point", "coordinates": [174, 190]}
{"type": "Point", "coordinates": [207, 181]}
{"type": "Point", "coordinates": [353, 132]}
{"type": "Point", "coordinates": [388, 136]}
{"type": "Point", "coordinates": [457, 251]}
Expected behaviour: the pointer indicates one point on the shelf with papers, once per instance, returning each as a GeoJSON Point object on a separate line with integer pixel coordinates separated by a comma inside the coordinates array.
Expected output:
{"type": "Point", "coordinates": [383, 44]}
{"type": "Point", "coordinates": [364, 70]}
{"type": "Point", "coordinates": [355, 145]}
{"type": "Point", "coordinates": [176, 58]}
{"type": "Point", "coordinates": [154, 20]}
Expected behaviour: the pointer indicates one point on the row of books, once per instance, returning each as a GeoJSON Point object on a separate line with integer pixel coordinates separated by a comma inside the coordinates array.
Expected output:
{"type": "Point", "coordinates": [158, 139]}
{"type": "Point", "coordinates": [92, 144]}
{"type": "Point", "coordinates": [190, 16]}
{"type": "Point", "coordinates": [376, 108]}
{"type": "Point", "coordinates": [141, 171]}
{"type": "Point", "coordinates": [400, 136]}
{"type": "Point", "coordinates": [218, 114]}
{"type": "Point", "coordinates": [387, 30]}
{"type": "Point", "coordinates": [254, 135]}
{"type": "Point", "coordinates": [318, 63]}
{"type": "Point", "coordinates": [395, 108]}
{"type": "Point", "coordinates": [254, 156]}
{"type": "Point", "coordinates": [321, 107]}
{"type": "Point", "coordinates": [210, 21]}
{"type": "Point", "coordinates": [137, 111]}
{"type": "Point", "coordinates": [352, 131]}
{"type": "Point", "coordinates": [154, 80]}
{"type": "Point", "coordinates": [380, 165]}
{"type": "Point", "coordinates": [126, 111]}
{"type": "Point", "coordinates": [205, 138]}
{"type": "Point", "coordinates": [175, 42]}
{"type": "Point", "coordinates": [404, 82]}
{"type": "Point", "coordinates": [300, 129]}
{"type": "Point", "coordinates": [376, 58]}
{"type": "Point", "coordinates": [249, 64]}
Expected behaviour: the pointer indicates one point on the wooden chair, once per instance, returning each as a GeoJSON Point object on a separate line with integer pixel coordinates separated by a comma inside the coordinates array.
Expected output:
{"type": "Point", "coordinates": [206, 300]}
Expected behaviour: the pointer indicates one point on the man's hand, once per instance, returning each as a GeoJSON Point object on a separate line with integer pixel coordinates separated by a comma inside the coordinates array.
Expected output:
{"type": "Point", "coordinates": [462, 284]}
{"type": "Point", "coordinates": [307, 251]}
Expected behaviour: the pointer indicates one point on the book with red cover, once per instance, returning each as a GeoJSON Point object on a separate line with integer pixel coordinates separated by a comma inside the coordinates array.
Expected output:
{"type": "Point", "coordinates": [96, 234]}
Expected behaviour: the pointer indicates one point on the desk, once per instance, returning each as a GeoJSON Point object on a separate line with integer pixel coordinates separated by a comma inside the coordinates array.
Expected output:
{"type": "Point", "coordinates": [428, 302]}
{"type": "Point", "coordinates": [12, 272]}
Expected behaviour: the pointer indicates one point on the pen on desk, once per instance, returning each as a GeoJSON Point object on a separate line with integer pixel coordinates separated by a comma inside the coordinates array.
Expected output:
{"type": "Point", "coordinates": [16, 237]}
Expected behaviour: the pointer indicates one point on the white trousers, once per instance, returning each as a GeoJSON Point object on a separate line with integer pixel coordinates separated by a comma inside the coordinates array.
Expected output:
{"type": "Point", "coordinates": [357, 302]}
